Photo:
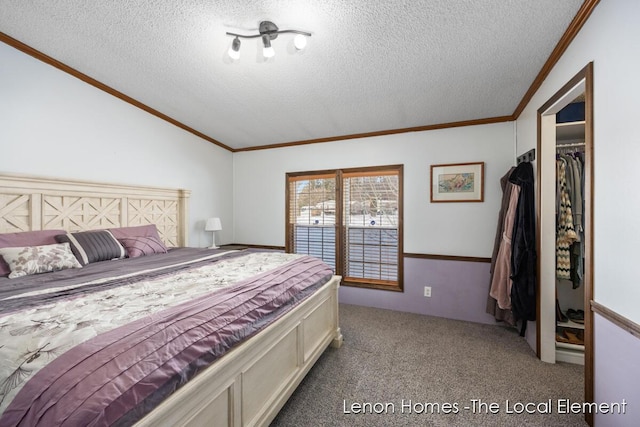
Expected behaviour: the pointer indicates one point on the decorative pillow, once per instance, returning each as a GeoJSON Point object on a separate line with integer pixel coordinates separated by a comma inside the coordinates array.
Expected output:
{"type": "Point", "coordinates": [27, 260]}
{"type": "Point", "coordinates": [140, 246]}
{"type": "Point", "coordinates": [93, 246]}
{"type": "Point", "coordinates": [149, 230]}
{"type": "Point", "coordinates": [25, 238]}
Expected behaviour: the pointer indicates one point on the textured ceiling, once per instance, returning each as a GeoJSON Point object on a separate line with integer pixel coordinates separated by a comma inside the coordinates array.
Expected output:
{"type": "Point", "coordinates": [370, 65]}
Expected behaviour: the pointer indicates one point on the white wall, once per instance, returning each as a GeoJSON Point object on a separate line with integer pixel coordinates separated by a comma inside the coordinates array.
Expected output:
{"type": "Point", "coordinates": [463, 229]}
{"type": "Point", "coordinates": [609, 39]}
{"type": "Point", "coordinates": [54, 125]}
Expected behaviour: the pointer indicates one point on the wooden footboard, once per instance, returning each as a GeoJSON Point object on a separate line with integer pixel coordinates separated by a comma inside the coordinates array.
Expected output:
{"type": "Point", "coordinates": [251, 383]}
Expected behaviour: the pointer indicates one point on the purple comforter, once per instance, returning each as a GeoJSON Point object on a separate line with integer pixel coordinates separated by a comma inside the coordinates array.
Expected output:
{"type": "Point", "coordinates": [118, 376]}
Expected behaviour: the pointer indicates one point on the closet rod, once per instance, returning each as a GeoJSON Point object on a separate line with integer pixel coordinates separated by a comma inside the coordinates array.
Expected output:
{"type": "Point", "coordinates": [575, 144]}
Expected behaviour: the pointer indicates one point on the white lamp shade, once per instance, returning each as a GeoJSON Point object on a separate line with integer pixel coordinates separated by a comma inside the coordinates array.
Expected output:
{"type": "Point", "coordinates": [213, 224]}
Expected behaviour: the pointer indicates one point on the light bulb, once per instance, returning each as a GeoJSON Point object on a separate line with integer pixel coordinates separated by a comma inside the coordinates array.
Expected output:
{"type": "Point", "coordinates": [300, 41]}
{"type": "Point", "coordinates": [234, 50]}
{"type": "Point", "coordinates": [268, 52]}
{"type": "Point", "coordinates": [234, 54]}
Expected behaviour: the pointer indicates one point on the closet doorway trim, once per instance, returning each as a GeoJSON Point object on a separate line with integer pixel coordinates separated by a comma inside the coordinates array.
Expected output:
{"type": "Point", "coordinates": [581, 82]}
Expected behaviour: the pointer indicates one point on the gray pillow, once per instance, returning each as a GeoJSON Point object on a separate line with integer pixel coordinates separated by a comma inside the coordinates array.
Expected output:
{"type": "Point", "coordinates": [93, 246]}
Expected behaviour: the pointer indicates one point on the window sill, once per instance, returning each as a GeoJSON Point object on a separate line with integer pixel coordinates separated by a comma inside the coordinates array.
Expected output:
{"type": "Point", "coordinates": [378, 286]}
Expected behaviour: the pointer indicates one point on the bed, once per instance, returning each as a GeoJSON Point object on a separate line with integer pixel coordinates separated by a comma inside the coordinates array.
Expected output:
{"type": "Point", "coordinates": [169, 335]}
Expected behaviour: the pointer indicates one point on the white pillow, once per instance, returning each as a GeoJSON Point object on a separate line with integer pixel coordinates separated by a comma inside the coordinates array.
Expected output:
{"type": "Point", "coordinates": [27, 260]}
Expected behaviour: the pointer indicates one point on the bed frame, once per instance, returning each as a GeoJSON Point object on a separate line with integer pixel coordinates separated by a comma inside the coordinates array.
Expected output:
{"type": "Point", "coordinates": [251, 383]}
{"type": "Point", "coordinates": [29, 203]}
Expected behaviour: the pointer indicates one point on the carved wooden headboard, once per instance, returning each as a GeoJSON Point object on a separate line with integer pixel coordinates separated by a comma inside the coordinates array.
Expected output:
{"type": "Point", "coordinates": [29, 203]}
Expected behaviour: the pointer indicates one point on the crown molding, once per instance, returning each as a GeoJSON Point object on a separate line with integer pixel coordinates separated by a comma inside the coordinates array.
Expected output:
{"type": "Point", "coordinates": [572, 31]}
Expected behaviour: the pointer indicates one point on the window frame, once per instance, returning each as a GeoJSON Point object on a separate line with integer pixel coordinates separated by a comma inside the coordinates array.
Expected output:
{"type": "Point", "coordinates": [340, 227]}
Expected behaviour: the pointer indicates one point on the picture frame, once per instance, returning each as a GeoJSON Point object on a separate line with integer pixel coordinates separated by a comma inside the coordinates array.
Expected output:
{"type": "Point", "coordinates": [457, 182]}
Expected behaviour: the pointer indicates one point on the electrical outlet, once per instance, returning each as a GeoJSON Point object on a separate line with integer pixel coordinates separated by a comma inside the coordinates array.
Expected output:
{"type": "Point", "coordinates": [427, 291]}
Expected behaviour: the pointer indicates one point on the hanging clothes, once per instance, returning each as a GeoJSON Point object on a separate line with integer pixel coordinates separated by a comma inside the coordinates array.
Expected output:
{"type": "Point", "coordinates": [565, 232]}
{"type": "Point", "coordinates": [493, 308]}
{"type": "Point", "coordinates": [575, 171]}
{"type": "Point", "coordinates": [577, 198]}
{"type": "Point", "coordinates": [501, 281]}
{"type": "Point", "coordinates": [506, 194]}
{"type": "Point", "coordinates": [523, 254]}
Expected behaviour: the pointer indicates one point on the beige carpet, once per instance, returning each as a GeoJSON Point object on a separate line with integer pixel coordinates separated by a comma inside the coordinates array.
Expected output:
{"type": "Point", "coordinates": [402, 369]}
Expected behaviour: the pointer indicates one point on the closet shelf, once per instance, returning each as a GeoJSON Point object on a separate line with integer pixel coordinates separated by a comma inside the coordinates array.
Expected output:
{"type": "Point", "coordinates": [570, 324]}
{"type": "Point", "coordinates": [568, 346]}
{"type": "Point", "coordinates": [570, 131]}
{"type": "Point", "coordinates": [569, 124]}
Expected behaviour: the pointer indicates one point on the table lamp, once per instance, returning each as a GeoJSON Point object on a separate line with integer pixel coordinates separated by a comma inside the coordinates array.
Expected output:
{"type": "Point", "coordinates": [213, 225]}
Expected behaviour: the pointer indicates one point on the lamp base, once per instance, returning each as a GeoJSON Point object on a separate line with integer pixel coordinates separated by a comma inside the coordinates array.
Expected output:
{"type": "Point", "coordinates": [213, 241]}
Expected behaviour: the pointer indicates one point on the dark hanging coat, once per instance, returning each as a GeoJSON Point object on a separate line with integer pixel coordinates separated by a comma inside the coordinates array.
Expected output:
{"type": "Point", "coordinates": [523, 247]}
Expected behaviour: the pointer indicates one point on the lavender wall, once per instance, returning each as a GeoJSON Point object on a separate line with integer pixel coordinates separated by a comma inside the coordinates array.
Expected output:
{"type": "Point", "coordinates": [459, 290]}
{"type": "Point", "coordinates": [617, 372]}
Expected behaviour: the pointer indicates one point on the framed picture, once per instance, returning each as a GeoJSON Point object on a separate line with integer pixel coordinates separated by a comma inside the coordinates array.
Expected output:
{"type": "Point", "coordinates": [460, 182]}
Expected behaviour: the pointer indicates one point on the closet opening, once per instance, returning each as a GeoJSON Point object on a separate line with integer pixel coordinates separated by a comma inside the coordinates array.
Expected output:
{"type": "Point", "coordinates": [564, 329]}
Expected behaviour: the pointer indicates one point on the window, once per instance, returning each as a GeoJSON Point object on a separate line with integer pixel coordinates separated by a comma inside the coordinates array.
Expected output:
{"type": "Point", "coordinates": [352, 220]}
{"type": "Point", "coordinates": [312, 217]}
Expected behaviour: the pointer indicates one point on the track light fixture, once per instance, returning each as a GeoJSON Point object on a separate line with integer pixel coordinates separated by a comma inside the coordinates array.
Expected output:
{"type": "Point", "coordinates": [267, 31]}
